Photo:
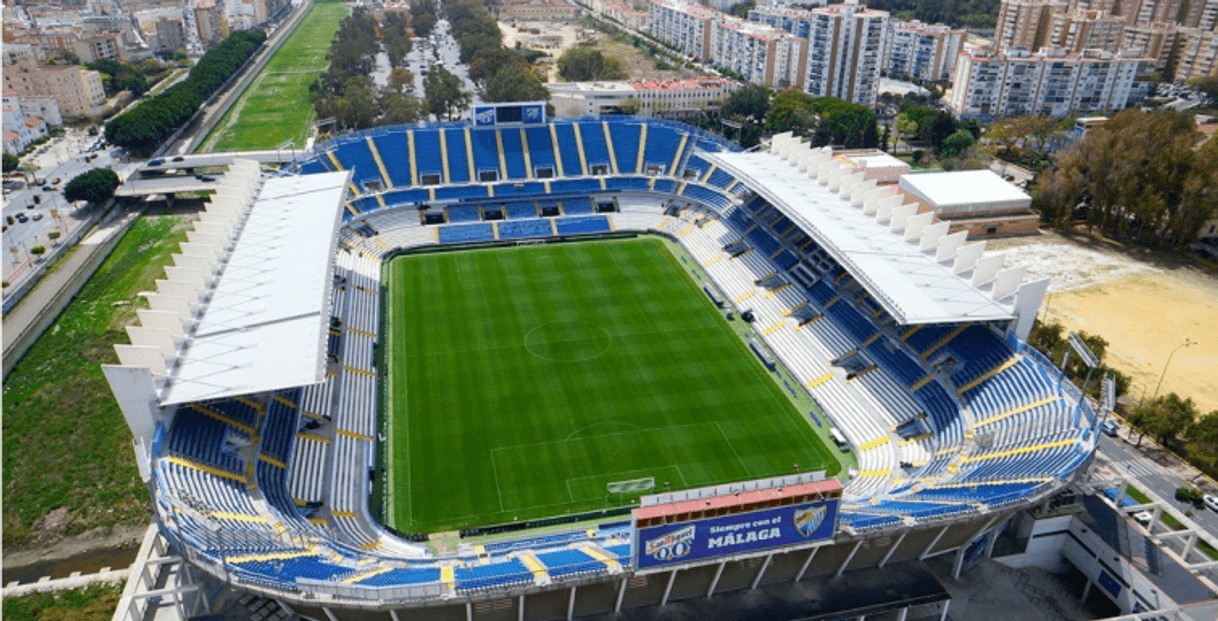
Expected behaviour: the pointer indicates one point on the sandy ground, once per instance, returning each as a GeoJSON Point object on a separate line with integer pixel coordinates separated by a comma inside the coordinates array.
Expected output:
{"type": "Point", "coordinates": [556, 38]}
{"type": "Point", "coordinates": [1145, 306]}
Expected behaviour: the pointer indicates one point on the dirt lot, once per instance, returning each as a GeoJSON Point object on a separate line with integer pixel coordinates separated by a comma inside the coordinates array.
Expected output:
{"type": "Point", "coordinates": [556, 38]}
{"type": "Point", "coordinates": [1146, 305]}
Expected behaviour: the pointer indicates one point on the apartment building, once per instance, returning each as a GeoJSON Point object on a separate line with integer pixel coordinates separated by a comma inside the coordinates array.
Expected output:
{"type": "Point", "coordinates": [925, 52]}
{"type": "Point", "coordinates": [684, 26]}
{"type": "Point", "coordinates": [1026, 23]}
{"type": "Point", "coordinates": [990, 84]}
{"type": "Point", "coordinates": [20, 131]}
{"type": "Point", "coordinates": [654, 97]}
{"type": "Point", "coordinates": [1157, 41]}
{"type": "Point", "coordinates": [78, 92]}
{"type": "Point", "coordinates": [762, 54]}
{"type": "Point", "coordinates": [1087, 29]}
{"type": "Point", "coordinates": [845, 52]}
{"type": "Point", "coordinates": [1198, 56]}
{"type": "Point", "coordinates": [210, 24]}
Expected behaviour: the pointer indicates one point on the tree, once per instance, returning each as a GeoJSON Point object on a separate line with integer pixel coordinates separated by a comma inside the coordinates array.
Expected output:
{"type": "Point", "coordinates": [38, 251]}
{"type": "Point", "coordinates": [1165, 417]}
{"type": "Point", "coordinates": [1208, 86]}
{"type": "Point", "coordinates": [11, 162]}
{"type": "Point", "coordinates": [398, 108]}
{"type": "Point", "coordinates": [791, 111]}
{"type": "Point", "coordinates": [1202, 443]}
{"type": "Point", "coordinates": [750, 101]}
{"type": "Point", "coordinates": [514, 82]}
{"type": "Point", "coordinates": [580, 64]}
{"type": "Point", "coordinates": [399, 79]}
{"type": "Point", "coordinates": [95, 186]}
{"type": "Point", "coordinates": [445, 99]}
{"type": "Point", "coordinates": [956, 143]}
{"type": "Point", "coordinates": [630, 106]}
{"type": "Point", "coordinates": [395, 38]}
{"type": "Point", "coordinates": [942, 127]}
{"type": "Point", "coordinates": [843, 123]}
{"type": "Point", "coordinates": [423, 17]}
{"type": "Point", "coordinates": [1139, 176]}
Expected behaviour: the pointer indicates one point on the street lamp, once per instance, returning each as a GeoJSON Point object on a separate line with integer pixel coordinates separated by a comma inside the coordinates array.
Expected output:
{"type": "Point", "coordinates": [1187, 342]}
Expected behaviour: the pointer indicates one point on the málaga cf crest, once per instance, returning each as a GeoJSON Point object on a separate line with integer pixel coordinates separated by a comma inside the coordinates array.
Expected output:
{"type": "Point", "coordinates": [808, 520]}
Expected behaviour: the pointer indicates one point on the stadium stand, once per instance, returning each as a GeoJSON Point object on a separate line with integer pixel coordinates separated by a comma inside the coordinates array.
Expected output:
{"type": "Point", "coordinates": [248, 479]}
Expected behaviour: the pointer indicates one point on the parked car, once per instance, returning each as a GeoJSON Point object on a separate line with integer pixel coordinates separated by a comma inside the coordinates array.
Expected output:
{"type": "Point", "coordinates": [56, 181]}
{"type": "Point", "coordinates": [156, 162]}
{"type": "Point", "coordinates": [1142, 517]}
{"type": "Point", "coordinates": [1211, 501]}
{"type": "Point", "coordinates": [177, 159]}
{"type": "Point", "coordinates": [1109, 428]}
{"type": "Point", "coordinates": [37, 216]}
{"type": "Point", "coordinates": [1206, 247]}
{"type": "Point", "coordinates": [22, 218]}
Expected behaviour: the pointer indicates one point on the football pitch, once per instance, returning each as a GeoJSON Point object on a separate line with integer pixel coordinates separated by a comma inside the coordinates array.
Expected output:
{"type": "Point", "coordinates": [521, 381]}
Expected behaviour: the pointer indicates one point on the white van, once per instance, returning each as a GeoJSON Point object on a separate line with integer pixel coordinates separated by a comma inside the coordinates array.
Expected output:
{"type": "Point", "coordinates": [839, 439]}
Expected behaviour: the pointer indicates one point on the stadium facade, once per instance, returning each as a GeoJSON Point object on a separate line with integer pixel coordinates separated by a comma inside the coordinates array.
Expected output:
{"type": "Point", "coordinates": [252, 389]}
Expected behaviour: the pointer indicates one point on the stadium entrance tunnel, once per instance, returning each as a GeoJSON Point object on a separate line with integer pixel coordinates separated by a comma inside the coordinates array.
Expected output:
{"type": "Point", "coordinates": [568, 341]}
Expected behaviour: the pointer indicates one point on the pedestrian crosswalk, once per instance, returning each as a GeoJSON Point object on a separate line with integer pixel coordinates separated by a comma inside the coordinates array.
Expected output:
{"type": "Point", "coordinates": [1138, 467]}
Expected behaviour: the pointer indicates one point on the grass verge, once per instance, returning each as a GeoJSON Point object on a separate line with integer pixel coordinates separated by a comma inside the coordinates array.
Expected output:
{"type": "Point", "coordinates": [68, 464]}
{"type": "Point", "coordinates": [275, 107]}
{"type": "Point", "coordinates": [95, 603]}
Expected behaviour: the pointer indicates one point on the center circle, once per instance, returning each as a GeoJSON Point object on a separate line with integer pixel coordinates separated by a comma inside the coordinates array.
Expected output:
{"type": "Point", "coordinates": [568, 341]}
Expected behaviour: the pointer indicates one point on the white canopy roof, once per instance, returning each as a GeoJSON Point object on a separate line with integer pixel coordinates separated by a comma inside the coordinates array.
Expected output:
{"type": "Point", "coordinates": [907, 281]}
{"type": "Point", "coordinates": [963, 187]}
{"type": "Point", "coordinates": [265, 325]}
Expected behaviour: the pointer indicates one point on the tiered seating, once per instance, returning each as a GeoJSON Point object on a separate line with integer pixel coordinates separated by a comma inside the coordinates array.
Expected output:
{"type": "Point", "coordinates": [311, 567]}
{"type": "Point", "coordinates": [596, 151]}
{"type": "Point", "coordinates": [486, 150]}
{"type": "Point", "coordinates": [399, 576]}
{"type": "Point", "coordinates": [521, 209]}
{"type": "Point", "coordinates": [568, 150]}
{"type": "Point", "coordinates": [979, 350]}
{"type": "Point", "coordinates": [626, 137]}
{"type": "Point", "coordinates": [395, 152]}
{"type": "Point", "coordinates": [466, 233]}
{"type": "Point", "coordinates": [513, 152]}
{"type": "Point", "coordinates": [461, 192]}
{"type": "Point", "coordinates": [427, 153]}
{"type": "Point", "coordinates": [584, 225]}
{"type": "Point", "coordinates": [522, 229]}
{"type": "Point", "coordinates": [541, 148]}
{"type": "Point", "coordinates": [464, 213]}
{"type": "Point", "coordinates": [707, 196]}
{"type": "Point", "coordinates": [495, 575]}
{"type": "Point", "coordinates": [569, 562]}
{"type": "Point", "coordinates": [577, 207]}
{"type": "Point", "coordinates": [200, 438]}
{"type": "Point", "coordinates": [500, 547]}
{"type": "Point", "coordinates": [355, 156]}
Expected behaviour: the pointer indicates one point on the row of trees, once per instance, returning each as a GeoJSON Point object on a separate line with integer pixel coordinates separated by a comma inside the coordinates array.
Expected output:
{"type": "Point", "coordinates": [1139, 177]}
{"type": "Point", "coordinates": [95, 186]}
{"type": "Point", "coordinates": [824, 120]}
{"type": "Point", "coordinates": [142, 129]}
{"type": "Point", "coordinates": [347, 93]}
{"type": "Point", "coordinates": [473, 28]}
{"type": "Point", "coordinates": [956, 13]}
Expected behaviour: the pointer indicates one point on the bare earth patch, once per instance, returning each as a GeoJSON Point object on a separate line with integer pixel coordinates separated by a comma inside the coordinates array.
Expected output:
{"type": "Point", "coordinates": [1144, 310]}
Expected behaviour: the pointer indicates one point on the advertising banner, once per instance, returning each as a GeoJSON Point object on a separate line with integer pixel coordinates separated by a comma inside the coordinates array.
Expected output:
{"type": "Point", "coordinates": [484, 115]}
{"type": "Point", "coordinates": [733, 534]}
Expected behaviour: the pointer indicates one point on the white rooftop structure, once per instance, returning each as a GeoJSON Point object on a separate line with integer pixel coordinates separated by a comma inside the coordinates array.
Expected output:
{"type": "Point", "coordinates": [908, 262]}
{"type": "Point", "coordinates": [965, 192]}
{"type": "Point", "coordinates": [265, 324]}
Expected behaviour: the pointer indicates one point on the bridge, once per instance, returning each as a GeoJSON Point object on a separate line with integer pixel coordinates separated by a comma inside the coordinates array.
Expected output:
{"type": "Point", "coordinates": [177, 174]}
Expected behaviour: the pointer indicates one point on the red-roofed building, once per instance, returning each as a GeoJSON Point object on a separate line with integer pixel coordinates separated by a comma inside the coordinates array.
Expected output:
{"type": "Point", "coordinates": [670, 97]}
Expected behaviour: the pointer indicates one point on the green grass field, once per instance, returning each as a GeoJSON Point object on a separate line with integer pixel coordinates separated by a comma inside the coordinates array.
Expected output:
{"type": "Point", "coordinates": [275, 108]}
{"type": "Point", "coordinates": [522, 380]}
{"type": "Point", "coordinates": [66, 445]}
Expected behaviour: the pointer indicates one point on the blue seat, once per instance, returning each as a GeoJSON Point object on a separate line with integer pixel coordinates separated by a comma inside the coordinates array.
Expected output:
{"type": "Point", "coordinates": [402, 576]}
{"type": "Point", "coordinates": [522, 229]}
{"type": "Point", "coordinates": [513, 152]}
{"type": "Point", "coordinates": [466, 233]}
{"type": "Point", "coordinates": [582, 225]}
{"type": "Point", "coordinates": [522, 189]}
{"type": "Point", "coordinates": [458, 156]}
{"type": "Point", "coordinates": [427, 152]}
{"type": "Point", "coordinates": [464, 213]}
{"type": "Point", "coordinates": [541, 148]}
{"type": "Point", "coordinates": [626, 138]}
{"type": "Point", "coordinates": [520, 209]}
{"type": "Point", "coordinates": [595, 150]}
{"type": "Point", "coordinates": [461, 192]}
{"type": "Point", "coordinates": [566, 562]}
{"type": "Point", "coordinates": [567, 149]}
{"type": "Point", "coordinates": [395, 153]}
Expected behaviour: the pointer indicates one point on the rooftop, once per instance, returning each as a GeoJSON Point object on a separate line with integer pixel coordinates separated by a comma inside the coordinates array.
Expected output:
{"type": "Point", "coordinates": [265, 325]}
{"type": "Point", "coordinates": [908, 282]}
{"type": "Point", "coordinates": [965, 187]}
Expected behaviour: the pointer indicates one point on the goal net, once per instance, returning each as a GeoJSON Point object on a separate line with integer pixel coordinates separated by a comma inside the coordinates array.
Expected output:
{"type": "Point", "coordinates": [632, 486]}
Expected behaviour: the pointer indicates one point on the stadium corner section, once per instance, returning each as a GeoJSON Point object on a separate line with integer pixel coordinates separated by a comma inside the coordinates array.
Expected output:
{"type": "Point", "coordinates": [659, 260]}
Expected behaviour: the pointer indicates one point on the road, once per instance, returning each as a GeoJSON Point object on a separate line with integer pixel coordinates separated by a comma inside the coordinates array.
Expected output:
{"type": "Point", "coordinates": [424, 55]}
{"type": "Point", "coordinates": [62, 158]}
{"type": "Point", "coordinates": [1153, 477]}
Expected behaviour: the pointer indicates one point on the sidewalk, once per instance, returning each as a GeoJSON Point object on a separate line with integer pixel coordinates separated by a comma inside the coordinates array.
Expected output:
{"type": "Point", "coordinates": [44, 302]}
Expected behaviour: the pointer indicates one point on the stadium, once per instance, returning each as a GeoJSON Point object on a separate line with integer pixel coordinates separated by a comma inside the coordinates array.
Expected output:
{"type": "Point", "coordinates": [539, 369]}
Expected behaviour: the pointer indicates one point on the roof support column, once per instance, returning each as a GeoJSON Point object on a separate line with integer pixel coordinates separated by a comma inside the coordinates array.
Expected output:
{"type": "Point", "coordinates": [807, 563]}
{"type": "Point", "coordinates": [715, 581]}
{"type": "Point", "coordinates": [621, 593]}
{"type": "Point", "coordinates": [672, 579]}
{"type": "Point", "coordinates": [849, 557]}
{"type": "Point", "coordinates": [933, 542]}
{"type": "Point", "coordinates": [520, 609]}
{"type": "Point", "coordinates": [946, 603]}
{"type": "Point", "coordinates": [469, 611]}
{"type": "Point", "coordinates": [761, 572]}
{"type": "Point", "coordinates": [888, 554]}
{"type": "Point", "coordinates": [571, 605]}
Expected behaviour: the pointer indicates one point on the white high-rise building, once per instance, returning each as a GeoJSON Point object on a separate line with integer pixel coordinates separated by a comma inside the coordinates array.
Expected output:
{"type": "Point", "coordinates": [763, 55]}
{"type": "Point", "coordinates": [922, 51]}
{"type": "Point", "coordinates": [845, 52]}
{"type": "Point", "coordinates": [989, 84]}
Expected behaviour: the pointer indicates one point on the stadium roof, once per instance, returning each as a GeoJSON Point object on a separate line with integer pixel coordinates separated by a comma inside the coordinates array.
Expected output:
{"type": "Point", "coordinates": [265, 324]}
{"type": "Point", "coordinates": [908, 282]}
